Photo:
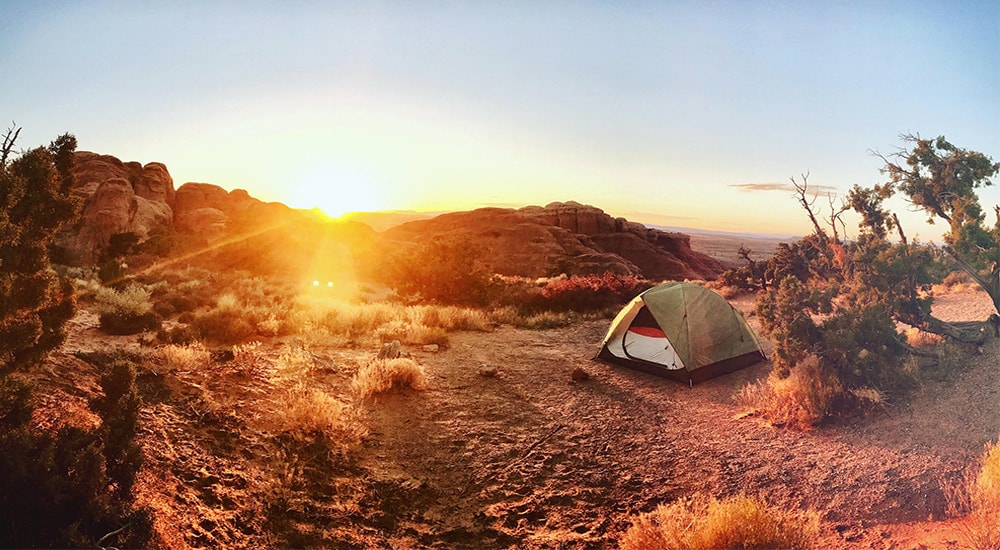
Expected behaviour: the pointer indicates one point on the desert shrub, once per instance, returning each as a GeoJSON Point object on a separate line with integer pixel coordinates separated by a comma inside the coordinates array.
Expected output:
{"type": "Point", "coordinates": [54, 491]}
{"type": "Point", "coordinates": [590, 292]}
{"type": "Point", "coordinates": [736, 281]}
{"type": "Point", "coordinates": [506, 315]}
{"type": "Point", "coordinates": [270, 325]}
{"type": "Point", "coordinates": [128, 311]}
{"type": "Point", "coordinates": [228, 322]}
{"type": "Point", "coordinates": [950, 359]}
{"type": "Point", "coordinates": [441, 270]}
{"type": "Point", "coordinates": [308, 413]}
{"type": "Point", "coordinates": [295, 362]}
{"type": "Point", "coordinates": [976, 501]}
{"type": "Point", "coordinates": [449, 317]}
{"type": "Point", "coordinates": [738, 522]}
{"type": "Point", "coordinates": [53, 486]}
{"type": "Point", "coordinates": [957, 281]}
{"type": "Point", "coordinates": [422, 335]}
{"type": "Point", "coordinates": [176, 334]}
{"type": "Point", "coordinates": [381, 375]}
{"type": "Point", "coordinates": [920, 339]}
{"type": "Point", "coordinates": [112, 271]}
{"type": "Point", "coordinates": [177, 302]}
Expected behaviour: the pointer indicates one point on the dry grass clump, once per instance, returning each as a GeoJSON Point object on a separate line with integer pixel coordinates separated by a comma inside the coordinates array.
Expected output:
{"type": "Point", "coordinates": [920, 339]}
{"type": "Point", "coordinates": [800, 400]}
{"type": "Point", "coordinates": [248, 360]}
{"type": "Point", "coordinates": [381, 375]}
{"type": "Point", "coordinates": [367, 323]}
{"type": "Point", "coordinates": [295, 363]}
{"type": "Point", "coordinates": [450, 318]}
{"type": "Point", "coordinates": [977, 500]}
{"type": "Point", "coordinates": [422, 334]}
{"type": "Point", "coordinates": [308, 413]}
{"type": "Point", "coordinates": [739, 522]}
{"type": "Point", "coordinates": [185, 358]}
{"type": "Point", "coordinates": [546, 320]}
{"type": "Point", "coordinates": [956, 281]}
{"type": "Point", "coordinates": [228, 322]}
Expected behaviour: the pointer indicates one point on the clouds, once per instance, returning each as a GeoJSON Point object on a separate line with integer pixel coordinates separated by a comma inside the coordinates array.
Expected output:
{"type": "Point", "coordinates": [783, 187]}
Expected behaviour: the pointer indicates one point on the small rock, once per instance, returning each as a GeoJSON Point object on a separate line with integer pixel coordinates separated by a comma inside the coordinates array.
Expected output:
{"type": "Point", "coordinates": [579, 375]}
{"type": "Point", "coordinates": [390, 350]}
{"type": "Point", "coordinates": [223, 355]}
{"type": "Point", "coordinates": [488, 371]}
{"type": "Point", "coordinates": [431, 348]}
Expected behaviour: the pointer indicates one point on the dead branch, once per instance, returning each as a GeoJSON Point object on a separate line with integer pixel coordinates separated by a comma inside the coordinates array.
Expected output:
{"type": "Point", "coordinates": [8, 143]}
{"type": "Point", "coordinates": [836, 215]}
{"type": "Point", "coordinates": [802, 195]}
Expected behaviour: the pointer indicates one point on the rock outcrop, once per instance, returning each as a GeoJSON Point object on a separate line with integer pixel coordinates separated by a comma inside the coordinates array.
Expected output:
{"type": "Point", "coordinates": [127, 197]}
{"type": "Point", "coordinates": [570, 238]}
{"type": "Point", "coordinates": [116, 197]}
{"type": "Point", "coordinates": [205, 209]}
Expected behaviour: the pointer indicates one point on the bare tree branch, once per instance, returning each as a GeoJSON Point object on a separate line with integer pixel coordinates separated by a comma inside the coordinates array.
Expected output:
{"type": "Point", "coordinates": [802, 195]}
{"type": "Point", "coordinates": [8, 143]}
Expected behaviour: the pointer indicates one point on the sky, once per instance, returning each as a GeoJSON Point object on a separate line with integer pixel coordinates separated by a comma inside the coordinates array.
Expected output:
{"type": "Point", "coordinates": [680, 113]}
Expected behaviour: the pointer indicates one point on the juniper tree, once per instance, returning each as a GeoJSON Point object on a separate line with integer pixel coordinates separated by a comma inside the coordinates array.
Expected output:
{"type": "Point", "coordinates": [35, 202]}
{"type": "Point", "coordinates": [942, 179]}
{"type": "Point", "coordinates": [53, 485]}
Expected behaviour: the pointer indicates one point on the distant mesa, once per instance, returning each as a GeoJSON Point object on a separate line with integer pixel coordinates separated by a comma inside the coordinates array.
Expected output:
{"type": "Point", "coordinates": [565, 237]}
{"type": "Point", "coordinates": [534, 241]}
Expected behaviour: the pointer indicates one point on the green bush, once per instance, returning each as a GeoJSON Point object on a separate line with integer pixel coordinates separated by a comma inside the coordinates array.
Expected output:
{"type": "Point", "coordinates": [128, 311]}
{"type": "Point", "coordinates": [119, 411]}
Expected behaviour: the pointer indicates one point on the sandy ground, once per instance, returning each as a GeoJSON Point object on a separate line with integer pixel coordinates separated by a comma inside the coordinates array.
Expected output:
{"type": "Point", "coordinates": [530, 458]}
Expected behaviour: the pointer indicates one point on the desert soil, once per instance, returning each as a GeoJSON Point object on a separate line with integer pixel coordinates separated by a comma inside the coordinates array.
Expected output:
{"type": "Point", "coordinates": [528, 457]}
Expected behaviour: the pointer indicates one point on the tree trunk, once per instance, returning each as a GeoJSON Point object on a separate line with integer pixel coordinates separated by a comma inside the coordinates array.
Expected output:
{"type": "Point", "coordinates": [990, 283]}
{"type": "Point", "coordinates": [968, 333]}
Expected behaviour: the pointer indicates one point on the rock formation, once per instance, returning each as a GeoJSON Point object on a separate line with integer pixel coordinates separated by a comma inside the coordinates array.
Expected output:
{"type": "Point", "coordinates": [570, 238]}
{"type": "Point", "coordinates": [126, 197]}
{"type": "Point", "coordinates": [205, 209]}
{"type": "Point", "coordinates": [116, 197]}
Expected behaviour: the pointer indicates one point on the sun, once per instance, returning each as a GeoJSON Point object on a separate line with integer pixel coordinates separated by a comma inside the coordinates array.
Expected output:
{"type": "Point", "coordinates": [336, 189]}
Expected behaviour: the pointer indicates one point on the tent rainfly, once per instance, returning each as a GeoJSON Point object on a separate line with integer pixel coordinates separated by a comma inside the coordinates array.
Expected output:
{"type": "Point", "coordinates": [681, 331]}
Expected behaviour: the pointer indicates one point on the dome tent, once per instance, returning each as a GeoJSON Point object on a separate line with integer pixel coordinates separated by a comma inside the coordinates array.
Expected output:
{"type": "Point", "coordinates": [681, 331]}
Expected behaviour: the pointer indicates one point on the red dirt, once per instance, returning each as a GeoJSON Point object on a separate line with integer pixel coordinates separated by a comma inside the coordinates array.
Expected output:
{"type": "Point", "coordinates": [531, 458]}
